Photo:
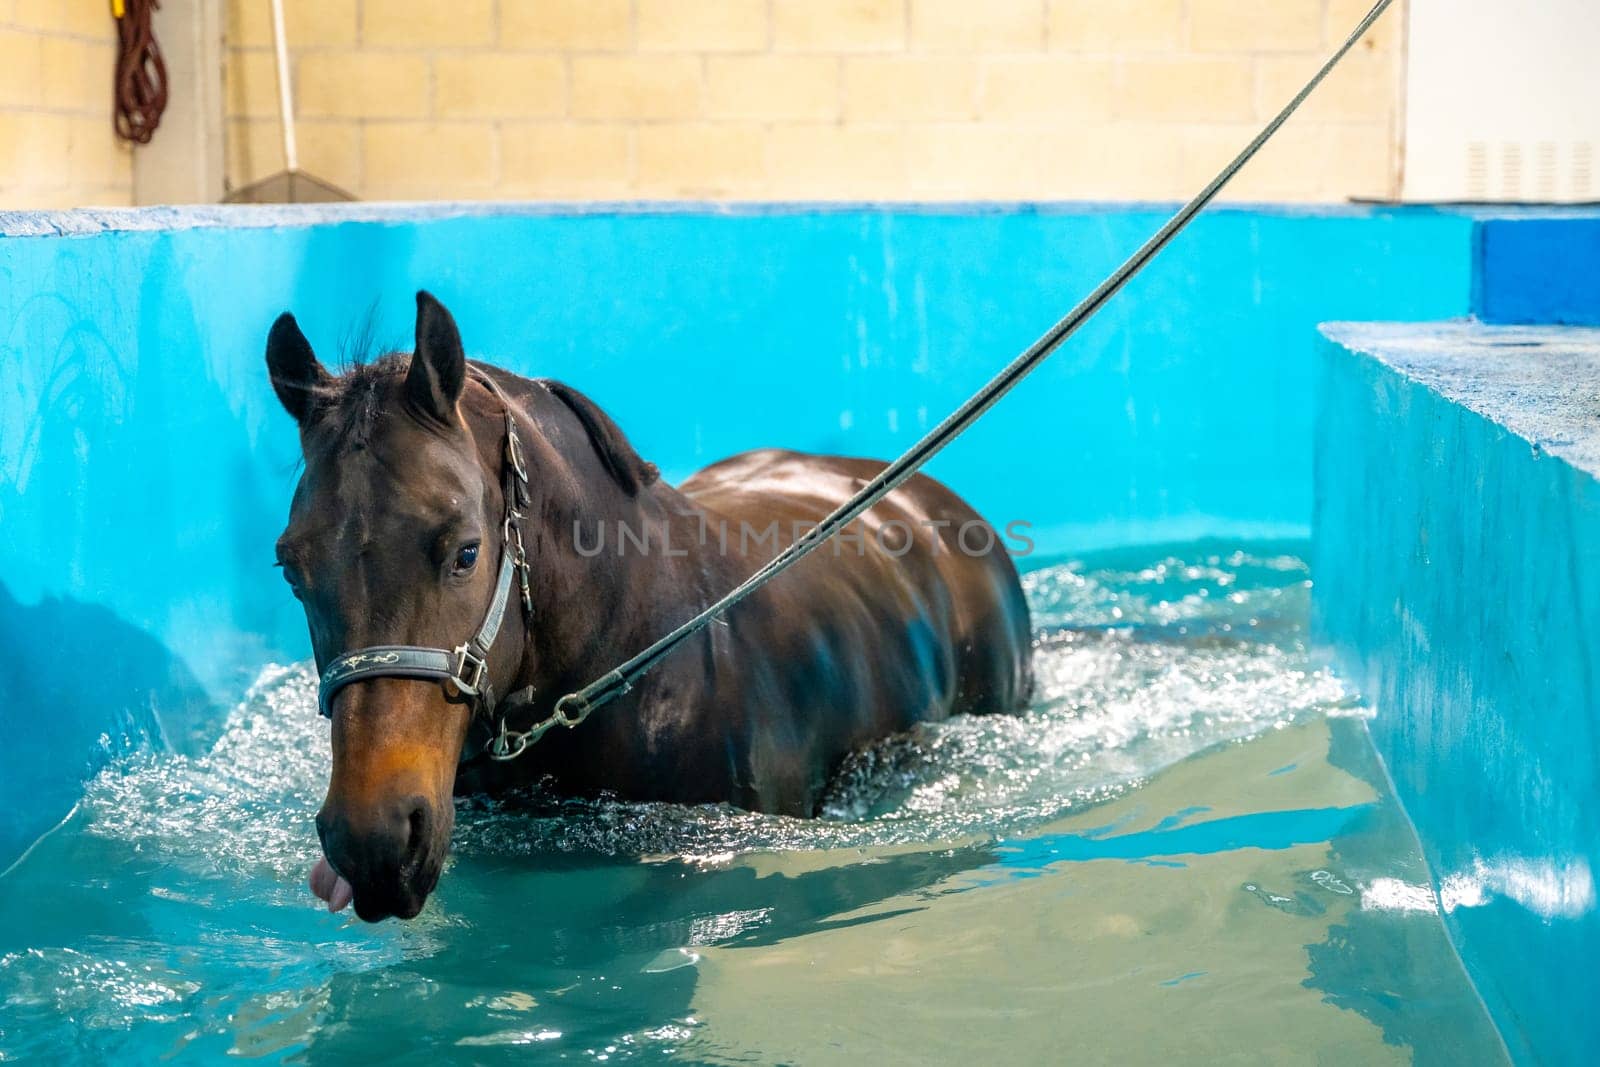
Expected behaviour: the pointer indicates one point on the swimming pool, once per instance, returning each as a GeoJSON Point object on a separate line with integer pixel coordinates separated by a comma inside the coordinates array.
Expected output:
{"type": "Point", "coordinates": [1186, 846]}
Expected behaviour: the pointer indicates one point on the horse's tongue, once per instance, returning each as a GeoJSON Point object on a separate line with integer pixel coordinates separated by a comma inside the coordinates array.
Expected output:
{"type": "Point", "coordinates": [342, 895]}
{"type": "Point", "coordinates": [330, 886]}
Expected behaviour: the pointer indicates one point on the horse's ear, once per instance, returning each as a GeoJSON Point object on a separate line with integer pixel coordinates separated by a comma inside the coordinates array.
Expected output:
{"type": "Point", "coordinates": [623, 463]}
{"type": "Point", "coordinates": [295, 372]}
{"type": "Point", "coordinates": [439, 365]}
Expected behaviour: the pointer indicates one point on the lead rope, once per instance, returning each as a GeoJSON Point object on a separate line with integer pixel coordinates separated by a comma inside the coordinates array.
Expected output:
{"type": "Point", "coordinates": [574, 707]}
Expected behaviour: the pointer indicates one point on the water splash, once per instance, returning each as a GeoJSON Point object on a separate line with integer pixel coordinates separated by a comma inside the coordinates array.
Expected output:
{"type": "Point", "coordinates": [1136, 669]}
{"type": "Point", "coordinates": [242, 810]}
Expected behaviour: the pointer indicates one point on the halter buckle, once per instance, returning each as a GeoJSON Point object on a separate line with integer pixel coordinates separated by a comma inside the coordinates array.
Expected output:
{"type": "Point", "coordinates": [469, 671]}
{"type": "Point", "coordinates": [512, 533]}
{"type": "Point", "coordinates": [514, 452]}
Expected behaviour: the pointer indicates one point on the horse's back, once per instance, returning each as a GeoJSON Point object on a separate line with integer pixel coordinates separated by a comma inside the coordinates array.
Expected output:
{"type": "Point", "coordinates": [920, 590]}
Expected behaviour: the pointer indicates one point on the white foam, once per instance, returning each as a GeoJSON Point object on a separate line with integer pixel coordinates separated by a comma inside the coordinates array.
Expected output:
{"type": "Point", "coordinates": [1394, 894]}
{"type": "Point", "coordinates": [1549, 889]}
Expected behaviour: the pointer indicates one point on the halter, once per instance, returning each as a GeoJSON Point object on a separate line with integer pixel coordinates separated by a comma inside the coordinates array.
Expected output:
{"type": "Point", "coordinates": [463, 671]}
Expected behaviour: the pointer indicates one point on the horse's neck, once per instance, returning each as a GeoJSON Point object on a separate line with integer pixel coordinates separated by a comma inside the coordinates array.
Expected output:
{"type": "Point", "coordinates": [630, 568]}
{"type": "Point", "coordinates": [670, 556]}
{"type": "Point", "coordinates": [654, 568]}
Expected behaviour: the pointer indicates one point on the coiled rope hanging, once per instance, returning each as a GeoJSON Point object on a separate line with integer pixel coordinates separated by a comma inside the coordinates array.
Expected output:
{"type": "Point", "coordinates": [574, 707]}
{"type": "Point", "coordinates": [141, 85]}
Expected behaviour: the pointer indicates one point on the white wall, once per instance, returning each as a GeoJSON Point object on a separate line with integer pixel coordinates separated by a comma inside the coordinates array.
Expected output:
{"type": "Point", "coordinates": [1502, 100]}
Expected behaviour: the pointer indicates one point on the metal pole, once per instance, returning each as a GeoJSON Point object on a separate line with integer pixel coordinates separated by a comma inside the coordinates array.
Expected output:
{"type": "Point", "coordinates": [291, 152]}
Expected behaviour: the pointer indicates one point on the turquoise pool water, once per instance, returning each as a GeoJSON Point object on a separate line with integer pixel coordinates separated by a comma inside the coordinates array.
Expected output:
{"type": "Point", "coordinates": [1186, 848]}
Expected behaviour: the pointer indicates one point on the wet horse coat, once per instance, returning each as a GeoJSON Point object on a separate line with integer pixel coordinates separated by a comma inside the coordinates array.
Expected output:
{"type": "Point", "coordinates": [915, 614]}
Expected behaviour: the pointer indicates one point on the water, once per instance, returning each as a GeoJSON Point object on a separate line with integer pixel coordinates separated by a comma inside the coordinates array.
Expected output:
{"type": "Point", "coordinates": [1184, 849]}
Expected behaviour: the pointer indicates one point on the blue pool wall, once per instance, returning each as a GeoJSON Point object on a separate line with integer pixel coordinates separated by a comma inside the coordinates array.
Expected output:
{"type": "Point", "coordinates": [145, 466]}
{"type": "Point", "coordinates": [1456, 553]}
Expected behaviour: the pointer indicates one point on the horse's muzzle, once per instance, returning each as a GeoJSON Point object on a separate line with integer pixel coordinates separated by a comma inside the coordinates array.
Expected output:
{"type": "Point", "coordinates": [390, 855]}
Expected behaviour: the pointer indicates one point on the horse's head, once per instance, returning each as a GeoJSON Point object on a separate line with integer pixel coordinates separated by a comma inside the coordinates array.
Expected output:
{"type": "Point", "coordinates": [393, 539]}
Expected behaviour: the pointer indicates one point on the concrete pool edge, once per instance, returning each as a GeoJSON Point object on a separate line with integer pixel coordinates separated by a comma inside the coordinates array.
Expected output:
{"type": "Point", "coordinates": [90, 220]}
{"type": "Point", "coordinates": [1456, 548]}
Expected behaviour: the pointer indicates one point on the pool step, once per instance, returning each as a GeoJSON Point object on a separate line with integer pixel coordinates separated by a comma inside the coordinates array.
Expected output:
{"type": "Point", "coordinates": [1457, 563]}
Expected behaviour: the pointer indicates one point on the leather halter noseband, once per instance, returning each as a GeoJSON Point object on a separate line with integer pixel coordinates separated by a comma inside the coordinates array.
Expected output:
{"type": "Point", "coordinates": [464, 670]}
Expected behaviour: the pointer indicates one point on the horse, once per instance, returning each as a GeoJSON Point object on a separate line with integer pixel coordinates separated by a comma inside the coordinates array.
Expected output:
{"type": "Point", "coordinates": [428, 478]}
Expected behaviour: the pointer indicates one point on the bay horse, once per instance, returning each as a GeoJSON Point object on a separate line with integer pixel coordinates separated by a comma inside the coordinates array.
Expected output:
{"type": "Point", "coordinates": [429, 479]}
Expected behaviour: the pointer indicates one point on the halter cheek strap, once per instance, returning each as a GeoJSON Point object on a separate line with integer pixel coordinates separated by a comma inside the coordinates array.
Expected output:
{"type": "Point", "coordinates": [464, 670]}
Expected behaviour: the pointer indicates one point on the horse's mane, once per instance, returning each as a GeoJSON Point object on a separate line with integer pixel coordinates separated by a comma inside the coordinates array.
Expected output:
{"type": "Point", "coordinates": [348, 402]}
{"type": "Point", "coordinates": [348, 405]}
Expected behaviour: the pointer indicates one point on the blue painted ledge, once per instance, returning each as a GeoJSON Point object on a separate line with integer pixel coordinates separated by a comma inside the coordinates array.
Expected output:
{"type": "Point", "coordinates": [1456, 547]}
{"type": "Point", "coordinates": [86, 222]}
{"type": "Point", "coordinates": [1537, 270]}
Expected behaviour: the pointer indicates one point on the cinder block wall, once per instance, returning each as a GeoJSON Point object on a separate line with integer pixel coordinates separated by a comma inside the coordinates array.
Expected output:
{"type": "Point", "coordinates": [815, 99]}
{"type": "Point", "coordinates": [57, 148]}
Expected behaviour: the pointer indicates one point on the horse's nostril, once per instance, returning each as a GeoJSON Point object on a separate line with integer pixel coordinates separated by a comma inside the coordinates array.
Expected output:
{"type": "Point", "coordinates": [418, 825]}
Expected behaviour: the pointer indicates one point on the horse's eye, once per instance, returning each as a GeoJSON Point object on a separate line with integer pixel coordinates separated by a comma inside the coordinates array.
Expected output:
{"type": "Point", "coordinates": [466, 557]}
{"type": "Point", "coordinates": [291, 576]}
